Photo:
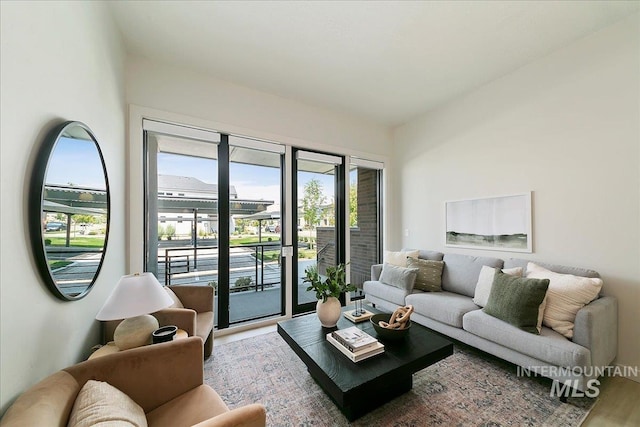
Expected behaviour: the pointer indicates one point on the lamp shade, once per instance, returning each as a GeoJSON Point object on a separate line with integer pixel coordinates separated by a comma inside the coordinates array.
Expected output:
{"type": "Point", "coordinates": [134, 295]}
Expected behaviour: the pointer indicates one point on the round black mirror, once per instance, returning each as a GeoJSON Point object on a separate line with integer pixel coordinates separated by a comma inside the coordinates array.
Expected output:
{"type": "Point", "coordinates": [69, 210]}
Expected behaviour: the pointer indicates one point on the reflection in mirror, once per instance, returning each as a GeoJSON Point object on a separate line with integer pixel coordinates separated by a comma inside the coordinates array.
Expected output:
{"type": "Point", "coordinates": [72, 210]}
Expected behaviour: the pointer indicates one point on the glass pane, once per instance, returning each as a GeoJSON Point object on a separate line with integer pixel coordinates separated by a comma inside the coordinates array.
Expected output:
{"type": "Point", "coordinates": [316, 221]}
{"type": "Point", "coordinates": [254, 254]}
{"type": "Point", "coordinates": [184, 198]}
{"type": "Point", "coordinates": [364, 208]}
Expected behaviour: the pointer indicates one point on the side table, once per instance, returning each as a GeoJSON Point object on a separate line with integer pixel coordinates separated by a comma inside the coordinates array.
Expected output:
{"type": "Point", "coordinates": [110, 347]}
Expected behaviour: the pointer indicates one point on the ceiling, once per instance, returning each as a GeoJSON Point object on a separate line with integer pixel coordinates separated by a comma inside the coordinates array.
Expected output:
{"type": "Point", "coordinates": [387, 62]}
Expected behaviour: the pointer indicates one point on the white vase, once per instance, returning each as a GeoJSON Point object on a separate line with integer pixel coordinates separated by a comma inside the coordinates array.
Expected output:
{"type": "Point", "coordinates": [329, 312]}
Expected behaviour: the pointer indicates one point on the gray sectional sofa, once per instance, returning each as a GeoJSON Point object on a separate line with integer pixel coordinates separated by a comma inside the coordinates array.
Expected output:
{"type": "Point", "coordinates": [452, 312]}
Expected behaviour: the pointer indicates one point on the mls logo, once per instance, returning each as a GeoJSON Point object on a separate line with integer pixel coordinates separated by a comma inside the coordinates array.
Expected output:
{"type": "Point", "coordinates": [570, 389]}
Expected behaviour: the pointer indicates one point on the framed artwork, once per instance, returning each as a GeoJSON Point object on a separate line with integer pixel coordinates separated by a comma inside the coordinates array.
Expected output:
{"type": "Point", "coordinates": [497, 223]}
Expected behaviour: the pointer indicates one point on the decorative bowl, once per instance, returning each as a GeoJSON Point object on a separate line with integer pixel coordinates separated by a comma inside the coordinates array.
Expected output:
{"type": "Point", "coordinates": [386, 334]}
{"type": "Point", "coordinates": [164, 334]}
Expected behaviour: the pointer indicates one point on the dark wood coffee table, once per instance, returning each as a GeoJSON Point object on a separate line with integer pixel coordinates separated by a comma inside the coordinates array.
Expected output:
{"type": "Point", "coordinates": [358, 388]}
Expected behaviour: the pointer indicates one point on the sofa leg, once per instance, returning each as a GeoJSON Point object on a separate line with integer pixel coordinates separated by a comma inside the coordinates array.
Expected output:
{"type": "Point", "coordinates": [208, 345]}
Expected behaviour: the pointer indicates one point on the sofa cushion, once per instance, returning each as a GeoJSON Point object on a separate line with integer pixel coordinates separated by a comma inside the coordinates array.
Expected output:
{"type": "Point", "coordinates": [190, 408]}
{"type": "Point", "coordinates": [432, 255]}
{"type": "Point", "coordinates": [461, 272]}
{"type": "Point", "coordinates": [485, 282]}
{"type": "Point", "coordinates": [385, 292]}
{"type": "Point", "coordinates": [100, 404]}
{"type": "Point", "coordinates": [517, 300]}
{"type": "Point", "coordinates": [400, 277]}
{"type": "Point", "coordinates": [399, 258]}
{"type": "Point", "coordinates": [429, 277]}
{"type": "Point", "coordinates": [566, 295]}
{"type": "Point", "coordinates": [557, 268]}
{"type": "Point", "coordinates": [445, 307]}
{"type": "Point", "coordinates": [549, 346]}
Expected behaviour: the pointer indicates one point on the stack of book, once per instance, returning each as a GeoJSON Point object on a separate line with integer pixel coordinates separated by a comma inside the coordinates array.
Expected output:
{"type": "Point", "coordinates": [354, 343]}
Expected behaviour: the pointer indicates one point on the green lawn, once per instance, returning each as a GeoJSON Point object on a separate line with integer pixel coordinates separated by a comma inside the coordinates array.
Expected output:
{"type": "Point", "coordinates": [78, 242]}
{"type": "Point", "coordinates": [270, 255]}
{"type": "Point", "coordinates": [58, 264]}
{"type": "Point", "coordinates": [306, 253]}
{"type": "Point", "coordinates": [248, 240]}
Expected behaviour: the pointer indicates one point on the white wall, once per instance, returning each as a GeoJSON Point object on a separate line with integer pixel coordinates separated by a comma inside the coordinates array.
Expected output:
{"type": "Point", "coordinates": [246, 111]}
{"type": "Point", "coordinates": [566, 127]}
{"type": "Point", "coordinates": [60, 61]}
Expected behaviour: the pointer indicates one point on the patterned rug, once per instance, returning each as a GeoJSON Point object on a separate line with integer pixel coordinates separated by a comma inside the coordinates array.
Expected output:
{"type": "Point", "coordinates": [467, 388]}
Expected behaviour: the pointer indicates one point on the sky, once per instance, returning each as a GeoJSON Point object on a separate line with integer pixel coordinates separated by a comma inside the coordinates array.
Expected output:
{"type": "Point", "coordinates": [77, 162]}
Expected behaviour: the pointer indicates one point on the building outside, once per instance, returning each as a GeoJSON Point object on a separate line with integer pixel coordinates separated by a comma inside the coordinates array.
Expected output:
{"type": "Point", "coordinates": [183, 201]}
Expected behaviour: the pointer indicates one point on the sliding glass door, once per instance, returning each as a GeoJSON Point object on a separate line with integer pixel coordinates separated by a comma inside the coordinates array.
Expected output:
{"type": "Point", "coordinates": [212, 219]}
{"type": "Point", "coordinates": [319, 195]}
{"type": "Point", "coordinates": [255, 267]}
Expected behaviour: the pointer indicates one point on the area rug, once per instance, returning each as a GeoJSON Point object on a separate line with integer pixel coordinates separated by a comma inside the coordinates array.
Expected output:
{"type": "Point", "coordinates": [467, 388]}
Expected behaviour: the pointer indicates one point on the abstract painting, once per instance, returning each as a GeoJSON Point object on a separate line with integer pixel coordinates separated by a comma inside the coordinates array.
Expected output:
{"type": "Point", "coordinates": [498, 223]}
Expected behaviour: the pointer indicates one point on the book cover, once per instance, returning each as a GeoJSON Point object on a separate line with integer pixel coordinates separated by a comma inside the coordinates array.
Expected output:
{"type": "Point", "coordinates": [359, 355]}
{"type": "Point", "coordinates": [354, 338]}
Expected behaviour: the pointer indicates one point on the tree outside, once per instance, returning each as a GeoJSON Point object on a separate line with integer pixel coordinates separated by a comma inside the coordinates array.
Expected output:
{"type": "Point", "coordinates": [353, 205]}
{"type": "Point", "coordinates": [314, 210]}
{"type": "Point", "coordinates": [312, 201]}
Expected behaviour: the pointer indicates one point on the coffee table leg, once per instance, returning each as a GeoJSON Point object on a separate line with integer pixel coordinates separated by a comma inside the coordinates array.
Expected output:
{"type": "Point", "coordinates": [371, 396]}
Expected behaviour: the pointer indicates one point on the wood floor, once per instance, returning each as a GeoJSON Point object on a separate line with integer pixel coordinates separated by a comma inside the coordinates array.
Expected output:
{"type": "Point", "coordinates": [618, 403]}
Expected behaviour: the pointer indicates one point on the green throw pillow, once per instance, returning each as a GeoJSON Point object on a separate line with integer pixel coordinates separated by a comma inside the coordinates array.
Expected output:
{"type": "Point", "coordinates": [429, 278]}
{"type": "Point", "coordinates": [516, 300]}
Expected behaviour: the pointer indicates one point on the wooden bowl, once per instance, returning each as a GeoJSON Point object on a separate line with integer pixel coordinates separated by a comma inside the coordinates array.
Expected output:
{"type": "Point", "coordinates": [386, 334]}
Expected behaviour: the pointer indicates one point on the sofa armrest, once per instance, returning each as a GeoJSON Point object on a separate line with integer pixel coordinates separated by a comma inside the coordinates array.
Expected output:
{"type": "Point", "coordinates": [596, 328]}
{"type": "Point", "coordinates": [183, 318]}
{"type": "Point", "coordinates": [198, 298]}
{"type": "Point", "coordinates": [151, 375]}
{"type": "Point", "coordinates": [376, 271]}
{"type": "Point", "coordinates": [47, 403]}
{"type": "Point", "coordinates": [253, 415]}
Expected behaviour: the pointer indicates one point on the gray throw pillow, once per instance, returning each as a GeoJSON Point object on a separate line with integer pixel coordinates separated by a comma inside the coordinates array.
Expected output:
{"type": "Point", "coordinates": [516, 300]}
{"type": "Point", "coordinates": [429, 278]}
{"type": "Point", "coordinates": [400, 277]}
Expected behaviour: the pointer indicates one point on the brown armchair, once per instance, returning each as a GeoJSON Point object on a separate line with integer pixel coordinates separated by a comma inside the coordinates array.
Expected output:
{"type": "Point", "coordinates": [166, 380]}
{"type": "Point", "coordinates": [196, 318]}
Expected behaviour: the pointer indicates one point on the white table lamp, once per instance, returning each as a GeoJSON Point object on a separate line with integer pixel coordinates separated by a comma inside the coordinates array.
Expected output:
{"type": "Point", "coordinates": [133, 298]}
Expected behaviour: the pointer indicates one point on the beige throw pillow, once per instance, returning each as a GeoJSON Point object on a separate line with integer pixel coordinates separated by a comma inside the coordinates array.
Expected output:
{"type": "Point", "coordinates": [176, 301]}
{"type": "Point", "coordinates": [399, 258]}
{"type": "Point", "coordinates": [429, 278]}
{"type": "Point", "coordinates": [100, 404]}
{"type": "Point", "coordinates": [566, 295]}
{"type": "Point", "coordinates": [485, 282]}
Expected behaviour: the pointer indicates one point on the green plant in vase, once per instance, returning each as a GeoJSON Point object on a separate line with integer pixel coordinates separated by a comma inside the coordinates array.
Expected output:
{"type": "Point", "coordinates": [328, 289]}
{"type": "Point", "coordinates": [332, 285]}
